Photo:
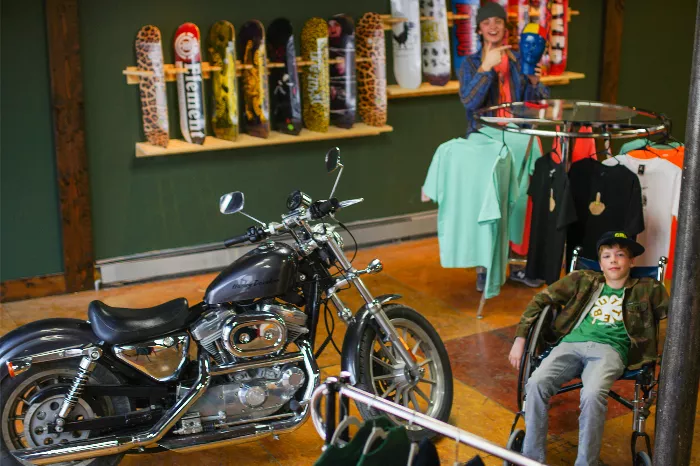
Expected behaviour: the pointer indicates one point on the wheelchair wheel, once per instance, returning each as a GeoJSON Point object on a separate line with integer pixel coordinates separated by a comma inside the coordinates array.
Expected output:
{"type": "Point", "coordinates": [515, 443]}
{"type": "Point", "coordinates": [642, 459]}
{"type": "Point", "coordinates": [533, 349]}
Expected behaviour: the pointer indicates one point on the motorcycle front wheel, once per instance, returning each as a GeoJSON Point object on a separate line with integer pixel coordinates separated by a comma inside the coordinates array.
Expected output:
{"type": "Point", "coordinates": [381, 369]}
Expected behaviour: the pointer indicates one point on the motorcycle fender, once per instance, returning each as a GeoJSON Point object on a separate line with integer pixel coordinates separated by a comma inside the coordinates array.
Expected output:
{"type": "Point", "coordinates": [353, 336]}
{"type": "Point", "coordinates": [43, 335]}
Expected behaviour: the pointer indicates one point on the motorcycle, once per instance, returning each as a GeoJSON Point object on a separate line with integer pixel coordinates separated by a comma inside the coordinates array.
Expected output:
{"type": "Point", "coordinates": [235, 367]}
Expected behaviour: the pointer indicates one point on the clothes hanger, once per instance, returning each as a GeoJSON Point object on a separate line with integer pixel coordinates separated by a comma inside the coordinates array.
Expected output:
{"type": "Point", "coordinates": [376, 434]}
{"type": "Point", "coordinates": [344, 424]}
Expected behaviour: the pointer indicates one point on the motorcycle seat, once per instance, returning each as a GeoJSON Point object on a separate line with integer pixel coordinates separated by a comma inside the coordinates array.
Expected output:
{"type": "Point", "coordinates": [115, 325]}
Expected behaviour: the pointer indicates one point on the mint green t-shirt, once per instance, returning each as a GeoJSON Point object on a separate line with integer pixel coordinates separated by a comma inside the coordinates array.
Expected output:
{"type": "Point", "coordinates": [473, 183]}
{"type": "Point", "coordinates": [643, 142]}
{"type": "Point", "coordinates": [604, 323]}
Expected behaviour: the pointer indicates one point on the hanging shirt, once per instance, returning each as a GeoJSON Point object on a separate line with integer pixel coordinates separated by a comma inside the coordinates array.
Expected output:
{"type": "Point", "coordinates": [504, 92]}
{"type": "Point", "coordinates": [644, 142]}
{"type": "Point", "coordinates": [552, 212]}
{"type": "Point", "coordinates": [583, 148]}
{"type": "Point", "coordinates": [473, 183]}
{"type": "Point", "coordinates": [661, 186]}
{"type": "Point", "coordinates": [606, 199]}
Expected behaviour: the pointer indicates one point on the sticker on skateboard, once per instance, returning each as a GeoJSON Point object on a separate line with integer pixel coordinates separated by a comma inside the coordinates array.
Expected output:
{"type": "Point", "coordinates": [284, 78]}
{"type": "Point", "coordinates": [251, 44]}
{"type": "Point", "coordinates": [222, 52]}
{"type": "Point", "coordinates": [371, 70]}
{"type": "Point", "coordinates": [190, 91]}
{"type": "Point", "coordinates": [465, 36]}
{"type": "Point", "coordinates": [154, 104]}
{"type": "Point", "coordinates": [406, 43]}
{"type": "Point", "coordinates": [435, 42]}
{"type": "Point", "coordinates": [315, 83]}
{"type": "Point", "coordinates": [343, 84]}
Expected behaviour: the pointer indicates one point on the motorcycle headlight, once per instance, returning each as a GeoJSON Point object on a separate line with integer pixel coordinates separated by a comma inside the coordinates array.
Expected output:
{"type": "Point", "coordinates": [329, 230]}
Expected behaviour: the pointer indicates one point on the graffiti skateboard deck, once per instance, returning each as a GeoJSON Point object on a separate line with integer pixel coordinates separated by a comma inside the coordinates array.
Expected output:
{"type": "Point", "coordinates": [371, 70]}
{"type": "Point", "coordinates": [154, 104]}
{"type": "Point", "coordinates": [190, 91]}
{"type": "Point", "coordinates": [465, 36]}
{"type": "Point", "coordinates": [558, 37]}
{"type": "Point", "coordinates": [343, 83]}
{"type": "Point", "coordinates": [285, 99]}
{"type": "Point", "coordinates": [315, 82]}
{"type": "Point", "coordinates": [406, 43]}
{"type": "Point", "coordinates": [222, 50]}
{"type": "Point", "coordinates": [435, 42]}
{"type": "Point", "coordinates": [251, 45]}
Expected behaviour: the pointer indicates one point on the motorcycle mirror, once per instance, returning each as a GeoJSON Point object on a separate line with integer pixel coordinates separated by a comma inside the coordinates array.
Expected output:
{"type": "Point", "coordinates": [231, 203]}
{"type": "Point", "coordinates": [333, 160]}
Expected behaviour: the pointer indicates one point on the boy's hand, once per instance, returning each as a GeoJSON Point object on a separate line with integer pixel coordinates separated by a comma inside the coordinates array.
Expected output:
{"type": "Point", "coordinates": [534, 79]}
{"type": "Point", "coordinates": [492, 57]}
{"type": "Point", "coordinates": [516, 352]}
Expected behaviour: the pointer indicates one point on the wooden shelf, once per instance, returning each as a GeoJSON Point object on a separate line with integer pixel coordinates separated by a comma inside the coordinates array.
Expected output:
{"type": "Point", "coordinates": [452, 87]}
{"type": "Point", "coordinates": [177, 146]}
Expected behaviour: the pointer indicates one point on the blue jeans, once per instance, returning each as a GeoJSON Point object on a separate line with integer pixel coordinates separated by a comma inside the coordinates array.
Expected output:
{"type": "Point", "coordinates": [599, 366]}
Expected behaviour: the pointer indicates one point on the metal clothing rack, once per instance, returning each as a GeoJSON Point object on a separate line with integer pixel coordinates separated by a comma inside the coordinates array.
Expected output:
{"type": "Point", "coordinates": [340, 388]}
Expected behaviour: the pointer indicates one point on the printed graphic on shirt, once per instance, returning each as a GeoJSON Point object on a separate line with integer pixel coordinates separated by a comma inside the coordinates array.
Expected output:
{"type": "Point", "coordinates": [607, 310]}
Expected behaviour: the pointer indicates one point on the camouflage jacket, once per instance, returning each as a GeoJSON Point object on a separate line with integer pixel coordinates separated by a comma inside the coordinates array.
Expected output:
{"type": "Point", "coordinates": [644, 305]}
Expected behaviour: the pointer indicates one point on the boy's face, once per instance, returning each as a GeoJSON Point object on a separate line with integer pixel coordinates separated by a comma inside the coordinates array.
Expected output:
{"type": "Point", "coordinates": [492, 30]}
{"type": "Point", "coordinates": [615, 262]}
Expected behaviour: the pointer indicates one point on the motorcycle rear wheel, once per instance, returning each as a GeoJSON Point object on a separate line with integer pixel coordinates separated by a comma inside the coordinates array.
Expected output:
{"type": "Point", "coordinates": [381, 369]}
{"type": "Point", "coordinates": [21, 421]}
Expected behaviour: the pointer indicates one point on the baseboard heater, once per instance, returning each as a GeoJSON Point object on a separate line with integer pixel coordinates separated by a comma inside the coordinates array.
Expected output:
{"type": "Point", "coordinates": [170, 263]}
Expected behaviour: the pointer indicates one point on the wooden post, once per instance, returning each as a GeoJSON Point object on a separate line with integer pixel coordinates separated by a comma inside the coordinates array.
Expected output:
{"type": "Point", "coordinates": [612, 46]}
{"type": "Point", "coordinates": [63, 31]}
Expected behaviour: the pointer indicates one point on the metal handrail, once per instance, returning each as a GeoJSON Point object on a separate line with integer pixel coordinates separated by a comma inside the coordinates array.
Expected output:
{"type": "Point", "coordinates": [333, 386]}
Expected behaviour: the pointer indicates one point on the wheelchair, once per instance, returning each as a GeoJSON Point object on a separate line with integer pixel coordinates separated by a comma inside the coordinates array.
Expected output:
{"type": "Point", "coordinates": [540, 342]}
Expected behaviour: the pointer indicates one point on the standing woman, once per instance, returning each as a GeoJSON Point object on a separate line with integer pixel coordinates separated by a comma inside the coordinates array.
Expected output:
{"type": "Point", "coordinates": [492, 76]}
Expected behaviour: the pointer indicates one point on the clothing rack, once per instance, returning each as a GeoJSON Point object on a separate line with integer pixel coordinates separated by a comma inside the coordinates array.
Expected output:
{"type": "Point", "coordinates": [340, 387]}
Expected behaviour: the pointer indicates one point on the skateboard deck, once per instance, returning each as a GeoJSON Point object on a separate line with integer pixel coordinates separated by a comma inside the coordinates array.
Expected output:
{"type": "Point", "coordinates": [465, 37]}
{"type": "Point", "coordinates": [558, 37]}
{"type": "Point", "coordinates": [371, 70]}
{"type": "Point", "coordinates": [285, 98]}
{"type": "Point", "coordinates": [343, 83]}
{"type": "Point", "coordinates": [251, 44]}
{"type": "Point", "coordinates": [435, 42]}
{"type": "Point", "coordinates": [542, 15]}
{"type": "Point", "coordinates": [519, 16]}
{"type": "Point", "coordinates": [222, 50]}
{"type": "Point", "coordinates": [154, 104]}
{"type": "Point", "coordinates": [315, 83]}
{"type": "Point", "coordinates": [190, 91]}
{"type": "Point", "coordinates": [406, 43]}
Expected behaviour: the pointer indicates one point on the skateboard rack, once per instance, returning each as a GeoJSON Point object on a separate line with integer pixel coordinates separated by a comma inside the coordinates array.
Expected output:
{"type": "Point", "coordinates": [389, 20]}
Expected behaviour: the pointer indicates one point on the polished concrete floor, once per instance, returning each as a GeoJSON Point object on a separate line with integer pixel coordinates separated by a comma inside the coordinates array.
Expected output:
{"type": "Point", "coordinates": [484, 401]}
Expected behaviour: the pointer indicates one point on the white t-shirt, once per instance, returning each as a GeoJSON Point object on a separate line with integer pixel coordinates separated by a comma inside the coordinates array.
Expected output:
{"type": "Point", "coordinates": [661, 188]}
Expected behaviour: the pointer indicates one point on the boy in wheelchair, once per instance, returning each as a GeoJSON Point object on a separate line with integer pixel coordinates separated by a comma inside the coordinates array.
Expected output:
{"type": "Point", "coordinates": [607, 322]}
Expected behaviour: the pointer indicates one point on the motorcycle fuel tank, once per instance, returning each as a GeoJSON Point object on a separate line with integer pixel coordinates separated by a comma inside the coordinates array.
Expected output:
{"type": "Point", "coordinates": [266, 271]}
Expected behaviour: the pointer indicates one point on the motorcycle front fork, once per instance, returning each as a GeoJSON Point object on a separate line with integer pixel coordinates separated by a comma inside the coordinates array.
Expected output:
{"type": "Point", "coordinates": [373, 306]}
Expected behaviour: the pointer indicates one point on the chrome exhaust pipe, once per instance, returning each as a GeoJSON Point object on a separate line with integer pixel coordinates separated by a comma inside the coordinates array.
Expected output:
{"type": "Point", "coordinates": [112, 445]}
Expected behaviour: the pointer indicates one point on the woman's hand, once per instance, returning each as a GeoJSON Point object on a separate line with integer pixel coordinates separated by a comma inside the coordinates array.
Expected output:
{"type": "Point", "coordinates": [516, 352]}
{"type": "Point", "coordinates": [492, 57]}
{"type": "Point", "coordinates": [534, 79]}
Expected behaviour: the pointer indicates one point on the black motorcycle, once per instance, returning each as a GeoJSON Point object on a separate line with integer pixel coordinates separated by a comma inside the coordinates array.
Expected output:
{"type": "Point", "coordinates": [237, 366]}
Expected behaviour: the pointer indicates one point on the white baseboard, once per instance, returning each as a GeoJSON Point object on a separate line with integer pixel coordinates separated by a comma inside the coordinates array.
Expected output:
{"type": "Point", "coordinates": [212, 257]}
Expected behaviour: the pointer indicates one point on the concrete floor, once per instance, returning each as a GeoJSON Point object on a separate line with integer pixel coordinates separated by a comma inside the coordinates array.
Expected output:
{"type": "Point", "coordinates": [484, 401]}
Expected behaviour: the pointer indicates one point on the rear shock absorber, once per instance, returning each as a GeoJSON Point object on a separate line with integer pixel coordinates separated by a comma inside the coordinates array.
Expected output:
{"type": "Point", "coordinates": [87, 365]}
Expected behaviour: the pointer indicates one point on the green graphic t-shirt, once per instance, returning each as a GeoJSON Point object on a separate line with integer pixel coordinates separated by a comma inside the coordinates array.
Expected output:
{"type": "Point", "coordinates": [604, 323]}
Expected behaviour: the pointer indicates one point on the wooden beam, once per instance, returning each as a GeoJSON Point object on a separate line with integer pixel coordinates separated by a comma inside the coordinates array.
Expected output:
{"type": "Point", "coordinates": [612, 48]}
{"type": "Point", "coordinates": [63, 31]}
{"type": "Point", "coordinates": [34, 287]}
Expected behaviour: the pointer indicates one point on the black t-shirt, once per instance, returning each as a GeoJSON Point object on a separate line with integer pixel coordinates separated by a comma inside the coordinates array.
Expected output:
{"type": "Point", "coordinates": [621, 194]}
{"type": "Point", "coordinates": [548, 225]}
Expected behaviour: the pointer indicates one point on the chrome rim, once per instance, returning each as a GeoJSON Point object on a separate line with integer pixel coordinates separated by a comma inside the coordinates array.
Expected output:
{"type": "Point", "coordinates": [24, 424]}
{"type": "Point", "coordinates": [390, 379]}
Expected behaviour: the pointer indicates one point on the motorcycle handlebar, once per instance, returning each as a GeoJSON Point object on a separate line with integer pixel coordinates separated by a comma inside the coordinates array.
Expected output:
{"type": "Point", "coordinates": [322, 208]}
{"type": "Point", "coordinates": [236, 240]}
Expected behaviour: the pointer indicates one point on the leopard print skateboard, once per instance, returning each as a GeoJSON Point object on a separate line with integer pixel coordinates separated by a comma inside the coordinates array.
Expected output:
{"type": "Point", "coordinates": [371, 70]}
{"type": "Point", "coordinates": [315, 84]}
{"type": "Point", "coordinates": [343, 84]}
{"type": "Point", "coordinates": [435, 41]}
{"type": "Point", "coordinates": [222, 53]}
{"type": "Point", "coordinates": [190, 91]}
{"type": "Point", "coordinates": [285, 98]}
{"type": "Point", "coordinates": [154, 104]}
{"type": "Point", "coordinates": [406, 43]}
{"type": "Point", "coordinates": [251, 46]}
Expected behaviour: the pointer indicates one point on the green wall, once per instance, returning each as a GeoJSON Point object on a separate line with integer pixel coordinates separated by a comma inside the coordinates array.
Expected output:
{"type": "Point", "coordinates": [30, 233]}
